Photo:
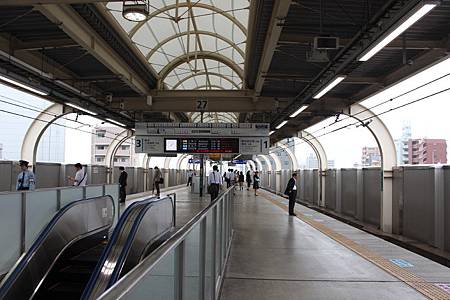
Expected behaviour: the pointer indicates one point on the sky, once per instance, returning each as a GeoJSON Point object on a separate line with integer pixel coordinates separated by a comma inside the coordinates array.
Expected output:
{"type": "Point", "coordinates": [428, 118]}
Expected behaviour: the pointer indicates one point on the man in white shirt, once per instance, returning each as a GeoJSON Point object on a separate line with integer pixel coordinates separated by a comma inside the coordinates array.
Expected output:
{"type": "Point", "coordinates": [214, 182]}
{"type": "Point", "coordinates": [291, 192]}
{"type": "Point", "coordinates": [190, 174]}
{"type": "Point", "coordinates": [80, 178]}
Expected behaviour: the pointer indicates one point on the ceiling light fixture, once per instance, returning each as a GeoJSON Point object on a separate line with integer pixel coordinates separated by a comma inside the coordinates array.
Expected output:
{"type": "Point", "coordinates": [329, 86]}
{"type": "Point", "coordinates": [281, 124]}
{"type": "Point", "coordinates": [136, 11]}
{"type": "Point", "coordinates": [270, 133]}
{"type": "Point", "coordinates": [115, 122]}
{"type": "Point", "coordinates": [24, 86]}
{"type": "Point", "coordinates": [82, 109]}
{"type": "Point", "coordinates": [298, 111]}
{"type": "Point", "coordinates": [404, 23]}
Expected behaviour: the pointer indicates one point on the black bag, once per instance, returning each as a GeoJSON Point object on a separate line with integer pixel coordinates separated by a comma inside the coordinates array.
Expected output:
{"type": "Point", "coordinates": [161, 180]}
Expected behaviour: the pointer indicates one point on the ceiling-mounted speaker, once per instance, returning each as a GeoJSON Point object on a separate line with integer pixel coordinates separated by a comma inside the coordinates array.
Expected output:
{"type": "Point", "coordinates": [326, 43]}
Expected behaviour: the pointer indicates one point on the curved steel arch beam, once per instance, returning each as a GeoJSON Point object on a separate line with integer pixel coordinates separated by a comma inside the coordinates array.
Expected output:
{"type": "Point", "coordinates": [267, 160]}
{"type": "Point", "coordinates": [112, 150]}
{"type": "Point", "coordinates": [205, 73]}
{"type": "Point", "coordinates": [322, 159]}
{"type": "Point", "coordinates": [180, 160]}
{"type": "Point", "coordinates": [193, 32]}
{"type": "Point", "coordinates": [37, 128]}
{"type": "Point", "coordinates": [258, 162]}
{"type": "Point", "coordinates": [233, 118]}
{"type": "Point", "coordinates": [317, 147]}
{"type": "Point", "coordinates": [188, 4]}
{"type": "Point", "coordinates": [199, 55]}
{"type": "Point", "coordinates": [277, 161]}
{"type": "Point", "coordinates": [388, 154]}
{"type": "Point", "coordinates": [252, 165]}
{"type": "Point", "coordinates": [207, 86]}
{"type": "Point", "coordinates": [291, 155]}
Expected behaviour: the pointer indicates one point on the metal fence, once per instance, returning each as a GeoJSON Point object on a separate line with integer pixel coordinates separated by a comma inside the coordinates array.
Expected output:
{"type": "Point", "coordinates": [190, 265]}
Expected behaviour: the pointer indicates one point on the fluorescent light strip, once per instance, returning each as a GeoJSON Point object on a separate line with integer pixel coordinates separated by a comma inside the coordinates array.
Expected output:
{"type": "Point", "coordinates": [82, 109]}
{"type": "Point", "coordinates": [298, 111]}
{"type": "Point", "coordinates": [397, 31]}
{"type": "Point", "coordinates": [115, 122]}
{"type": "Point", "coordinates": [281, 124]}
{"type": "Point", "coordinates": [331, 85]}
{"type": "Point", "coordinates": [24, 86]}
{"type": "Point", "coordinates": [270, 133]}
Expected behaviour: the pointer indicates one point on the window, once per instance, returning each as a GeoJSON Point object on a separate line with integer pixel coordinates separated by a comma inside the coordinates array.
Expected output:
{"type": "Point", "coordinates": [115, 159]}
{"type": "Point", "coordinates": [100, 147]}
{"type": "Point", "coordinates": [100, 133]}
{"type": "Point", "coordinates": [124, 159]}
{"type": "Point", "coordinates": [125, 147]}
{"type": "Point", "coordinates": [99, 159]}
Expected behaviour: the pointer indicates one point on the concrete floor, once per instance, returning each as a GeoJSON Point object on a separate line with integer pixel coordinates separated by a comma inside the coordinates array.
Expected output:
{"type": "Point", "coordinates": [274, 256]}
{"type": "Point", "coordinates": [187, 204]}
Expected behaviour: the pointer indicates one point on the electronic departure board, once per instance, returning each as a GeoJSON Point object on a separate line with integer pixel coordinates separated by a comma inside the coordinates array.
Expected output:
{"type": "Point", "coordinates": [201, 145]}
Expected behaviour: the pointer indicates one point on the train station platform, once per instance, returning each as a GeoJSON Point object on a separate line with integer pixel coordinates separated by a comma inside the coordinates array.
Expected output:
{"type": "Point", "coordinates": [313, 256]}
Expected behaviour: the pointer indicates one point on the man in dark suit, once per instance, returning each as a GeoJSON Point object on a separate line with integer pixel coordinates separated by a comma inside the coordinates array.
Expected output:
{"type": "Point", "coordinates": [291, 192]}
{"type": "Point", "coordinates": [122, 184]}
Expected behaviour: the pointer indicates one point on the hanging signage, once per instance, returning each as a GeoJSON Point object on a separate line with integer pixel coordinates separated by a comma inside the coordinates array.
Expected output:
{"type": "Point", "coordinates": [203, 138]}
{"type": "Point", "coordinates": [203, 129]}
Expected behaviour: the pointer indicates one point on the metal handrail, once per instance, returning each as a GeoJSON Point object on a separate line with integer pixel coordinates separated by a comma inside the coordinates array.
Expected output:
{"type": "Point", "coordinates": [152, 260]}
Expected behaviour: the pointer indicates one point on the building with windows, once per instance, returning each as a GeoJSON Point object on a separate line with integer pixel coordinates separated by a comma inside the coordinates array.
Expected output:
{"type": "Point", "coordinates": [370, 157]}
{"type": "Point", "coordinates": [427, 151]}
{"type": "Point", "coordinates": [102, 138]}
{"type": "Point", "coordinates": [401, 145]}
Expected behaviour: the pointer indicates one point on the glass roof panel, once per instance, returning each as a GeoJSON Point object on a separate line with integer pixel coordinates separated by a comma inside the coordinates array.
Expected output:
{"type": "Point", "coordinates": [213, 33]}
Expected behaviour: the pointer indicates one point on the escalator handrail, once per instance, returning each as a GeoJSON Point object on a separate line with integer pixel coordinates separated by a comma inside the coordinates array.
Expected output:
{"type": "Point", "coordinates": [23, 261]}
{"type": "Point", "coordinates": [123, 256]}
{"type": "Point", "coordinates": [113, 240]}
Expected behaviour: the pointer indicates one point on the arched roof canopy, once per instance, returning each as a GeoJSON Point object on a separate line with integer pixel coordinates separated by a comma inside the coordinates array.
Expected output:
{"type": "Point", "coordinates": [200, 55]}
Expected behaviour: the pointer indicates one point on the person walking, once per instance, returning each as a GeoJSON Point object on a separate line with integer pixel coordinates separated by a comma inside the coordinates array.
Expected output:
{"type": "Point", "coordinates": [256, 182]}
{"type": "Point", "coordinates": [157, 180]}
{"type": "Point", "coordinates": [214, 182]}
{"type": "Point", "coordinates": [80, 178]}
{"type": "Point", "coordinates": [248, 179]}
{"type": "Point", "coordinates": [291, 192]}
{"type": "Point", "coordinates": [241, 181]}
{"type": "Point", "coordinates": [122, 185]}
{"type": "Point", "coordinates": [25, 179]}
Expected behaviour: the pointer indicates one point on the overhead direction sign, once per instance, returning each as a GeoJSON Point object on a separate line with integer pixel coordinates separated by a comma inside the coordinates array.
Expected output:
{"type": "Point", "coordinates": [204, 138]}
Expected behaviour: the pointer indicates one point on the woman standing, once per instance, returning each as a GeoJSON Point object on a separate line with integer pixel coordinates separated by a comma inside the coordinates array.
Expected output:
{"type": "Point", "coordinates": [157, 179]}
{"type": "Point", "coordinates": [241, 181]}
{"type": "Point", "coordinates": [256, 182]}
{"type": "Point", "coordinates": [248, 179]}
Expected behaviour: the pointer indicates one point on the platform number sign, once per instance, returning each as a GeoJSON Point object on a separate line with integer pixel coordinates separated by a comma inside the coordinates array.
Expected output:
{"type": "Point", "coordinates": [139, 145]}
{"type": "Point", "coordinates": [201, 104]}
{"type": "Point", "coordinates": [265, 144]}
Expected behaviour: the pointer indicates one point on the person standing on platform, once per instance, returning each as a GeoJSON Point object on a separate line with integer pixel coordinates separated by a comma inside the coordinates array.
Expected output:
{"type": "Point", "coordinates": [157, 180]}
{"type": "Point", "coordinates": [122, 185]}
{"type": "Point", "coordinates": [241, 181]}
{"type": "Point", "coordinates": [25, 179]}
{"type": "Point", "coordinates": [190, 175]}
{"type": "Point", "coordinates": [248, 179]}
{"type": "Point", "coordinates": [80, 178]}
{"type": "Point", "coordinates": [214, 182]}
{"type": "Point", "coordinates": [256, 182]}
{"type": "Point", "coordinates": [291, 192]}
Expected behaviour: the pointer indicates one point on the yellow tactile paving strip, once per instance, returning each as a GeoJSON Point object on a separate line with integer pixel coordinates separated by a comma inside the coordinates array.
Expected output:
{"type": "Point", "coordinates": [426, 288]}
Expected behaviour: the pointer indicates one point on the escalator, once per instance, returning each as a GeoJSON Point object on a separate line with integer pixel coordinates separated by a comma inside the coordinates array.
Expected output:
{"type": "Point", "coordinates": [74, 249]}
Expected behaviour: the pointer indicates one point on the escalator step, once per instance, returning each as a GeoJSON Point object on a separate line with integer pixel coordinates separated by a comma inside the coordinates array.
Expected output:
{"type": "Point", "coordinates": [66, 291]}
{"type": "Point", "coordinates": [77, 273]}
